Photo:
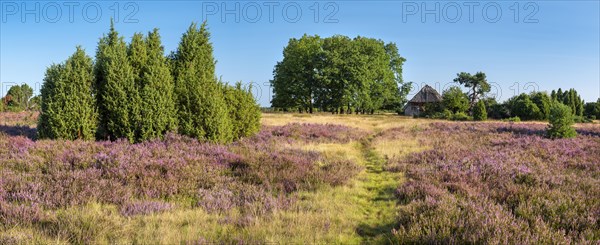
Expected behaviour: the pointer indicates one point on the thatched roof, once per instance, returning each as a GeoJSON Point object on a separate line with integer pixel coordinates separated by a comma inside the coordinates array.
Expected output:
{"type": "Point", "coordinates": [426, 95]}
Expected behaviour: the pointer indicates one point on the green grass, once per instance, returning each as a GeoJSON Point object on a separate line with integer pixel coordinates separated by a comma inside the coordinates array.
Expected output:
{"type": "Point", "coordinates": [377, 198]}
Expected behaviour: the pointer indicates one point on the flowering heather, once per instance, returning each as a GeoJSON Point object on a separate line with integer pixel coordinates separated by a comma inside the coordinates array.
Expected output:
{"type": "Point", "coordinates": [322, 133]}
{"type": "Point", "coordinates": [499, 183]}
{"type": "Point", "coordinates": [253, 175]}
{"type": "Point", "coordinates": [28, 118]}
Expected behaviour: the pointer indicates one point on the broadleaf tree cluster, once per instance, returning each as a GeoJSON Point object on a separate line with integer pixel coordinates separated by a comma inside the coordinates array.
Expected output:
{"type": "Point", "coordinates": [18, 98]}
{"type": "Point", "coordinates": [132, 91]}
{"type": "Point", "coordinates": [537, 106]}
{"type": "Point", "coordinates": [340, 75]}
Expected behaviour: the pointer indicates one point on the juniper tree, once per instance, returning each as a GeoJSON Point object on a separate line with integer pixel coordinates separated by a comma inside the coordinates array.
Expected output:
{"type": "Point", "coordinates": [156, 91]}
{"type": "Point", "coordinates": [116, 94]}
{"type": "Point", "coordinates": [479, 112]}
{"type": "Point", "coordinates": [201, 109]}
{"type": "Point", "coordinates": [561, 122]}
{"type": "Point", "coordinates": [67, 104]}
{"type": "Point", "coordinates": [244, 112]}
{"type": "Point", "coordinates": [138, 56]}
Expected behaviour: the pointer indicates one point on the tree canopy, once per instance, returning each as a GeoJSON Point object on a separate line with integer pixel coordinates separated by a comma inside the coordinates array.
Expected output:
{"type": "Point", "coordinates": [477, 85]}
{"type": "Point", "coordinates": [340, 75]}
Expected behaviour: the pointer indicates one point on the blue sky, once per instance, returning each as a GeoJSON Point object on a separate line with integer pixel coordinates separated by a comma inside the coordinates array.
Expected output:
{"type": "Point", "coordinates": [542, 46]}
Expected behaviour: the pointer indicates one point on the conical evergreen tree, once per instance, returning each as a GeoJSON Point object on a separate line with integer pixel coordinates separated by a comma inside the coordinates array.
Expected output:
{"type": "Point", "coordinates": [244, 112]}
{"type": "Point", "coordinates": [202, 112]}
{"type": "Point", "coordinates": [156, 90]}
{"type": "Point", "coordinates": [560, 95]}
{"type": "Point", "coordinates": [138, 56]}
{"type": "Point", "coordinates": [580, 104]}
{"type": "Point", "coordinates": [116, 94]}
{"type": "Point", "coordinates": [68, 110]}
{"type": "Point", "coordinates": [479, 111]}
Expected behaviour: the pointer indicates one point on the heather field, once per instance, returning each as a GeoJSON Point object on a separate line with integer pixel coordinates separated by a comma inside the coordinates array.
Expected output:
{"type": "Point", "coordinates": [305, 179]}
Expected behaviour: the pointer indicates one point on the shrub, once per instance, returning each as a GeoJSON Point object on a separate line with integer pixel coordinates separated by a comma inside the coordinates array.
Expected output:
{"type": "Point", "coordinates": [561, 122]}
{"type": "Point", "coordinates": [521, 106]}
{"type": "Point", "coordinates": [461, 116]}
{"type": "Point", "coordinates": [512, 119]}
{"type": "Point", "coordinates": [479, 112]}
{"type": "Point", "coordinates": [244, 113]}
{"type": "Point", "coordinates": [445, 114]}
{"type": "Point", "coordinates": [68, 110]}
{"type": "Point", "coordinates": [455, 100]}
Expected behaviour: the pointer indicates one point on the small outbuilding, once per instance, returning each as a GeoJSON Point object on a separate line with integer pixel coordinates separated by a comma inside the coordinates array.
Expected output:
{"type": "Point", "coordinates": [417, 104]}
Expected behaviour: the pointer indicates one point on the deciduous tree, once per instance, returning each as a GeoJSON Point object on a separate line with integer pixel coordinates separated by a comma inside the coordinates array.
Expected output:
{"type": "Point", "coordinates": [477, 85]}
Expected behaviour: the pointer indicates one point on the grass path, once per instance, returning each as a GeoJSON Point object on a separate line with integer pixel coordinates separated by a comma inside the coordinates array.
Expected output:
{"type": "Point", "coordinates": [377, 201]}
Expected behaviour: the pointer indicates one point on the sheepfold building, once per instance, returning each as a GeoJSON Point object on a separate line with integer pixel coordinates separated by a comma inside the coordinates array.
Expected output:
{"type": "Point", "coordinates": [416, 105]}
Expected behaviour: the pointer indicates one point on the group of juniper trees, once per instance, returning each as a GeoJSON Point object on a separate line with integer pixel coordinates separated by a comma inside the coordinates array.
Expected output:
{"type": "Point", "coordinates": [134, 92]}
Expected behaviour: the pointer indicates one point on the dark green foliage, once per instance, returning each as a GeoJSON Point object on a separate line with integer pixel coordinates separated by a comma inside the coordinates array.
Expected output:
{"type": "Point", "coordinates": [155, 88]}
{"type": "Point", "coordinates": [132, 95]}
{"type": "Point", "coordinates": [598, 109]}
{"type": "Point", "coordinates": [339, 75]}
{"type": "Point", "coordinates": [202, 112]}
{"type": "Point", "coordinates": [455, 100]}
{"type": "Point", "coordinates": [244, 112]}
{"type": "Point", "coordinates": [116, 93]}
{"type": "Point", "coordinates": [479, 112]}
{"type": "Point", "coordinates": [521, 106]}
{"type": "Point", "coordinates": [395, 100]}
{"type": "Point", "coordinates": [477, 85]}
{"type": "Point", "coordinates": [512, 119]}
{"type": "Point", "coordinates": [35, 102]}
{"type": "Point", "coordinates": [435, 110]}
{"type": "Point", "coordinates": [17, 97]}
{"type": "Point", "coordinates": [496, 110]}
{"type": "Point", "coordinates": [67, 103]}
{"type": "Point", "coordinates": [561, 122]}
{"type": "Point", "coordinates": [138, 56]}
{"type": "Point", "coordinates": [571, 99]}
{"type": "Point", "coordinates": [543, 102]}
{"type": "Point", "coordinates": [594, 110]}
{"type": "Point", "coordinates": [590, 110]}
{"type": "Point", "coordinates": [295, 82]}
{"type": "Point", "coordinates": [461, 116]}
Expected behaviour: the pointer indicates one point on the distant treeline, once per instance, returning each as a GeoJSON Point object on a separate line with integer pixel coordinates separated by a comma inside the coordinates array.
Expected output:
{"type": "Point", "coordinates": [133, 91]}
{"type": "Point", "coordinates": [458, 105]}
{"type": "Point", "coordinates": [340, 75]}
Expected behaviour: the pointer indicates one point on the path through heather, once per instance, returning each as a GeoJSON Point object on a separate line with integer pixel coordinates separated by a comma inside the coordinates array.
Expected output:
{"type": "Point", "coordinates": [378, 203]}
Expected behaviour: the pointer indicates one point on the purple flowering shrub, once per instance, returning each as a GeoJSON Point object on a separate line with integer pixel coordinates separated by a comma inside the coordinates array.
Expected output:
{"type": "Point", "coordinates": [499, 183]}
{"type": "Point", "coordinates": [320, 133]}
{"type": "Point", "coordinates": [255, 174]}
